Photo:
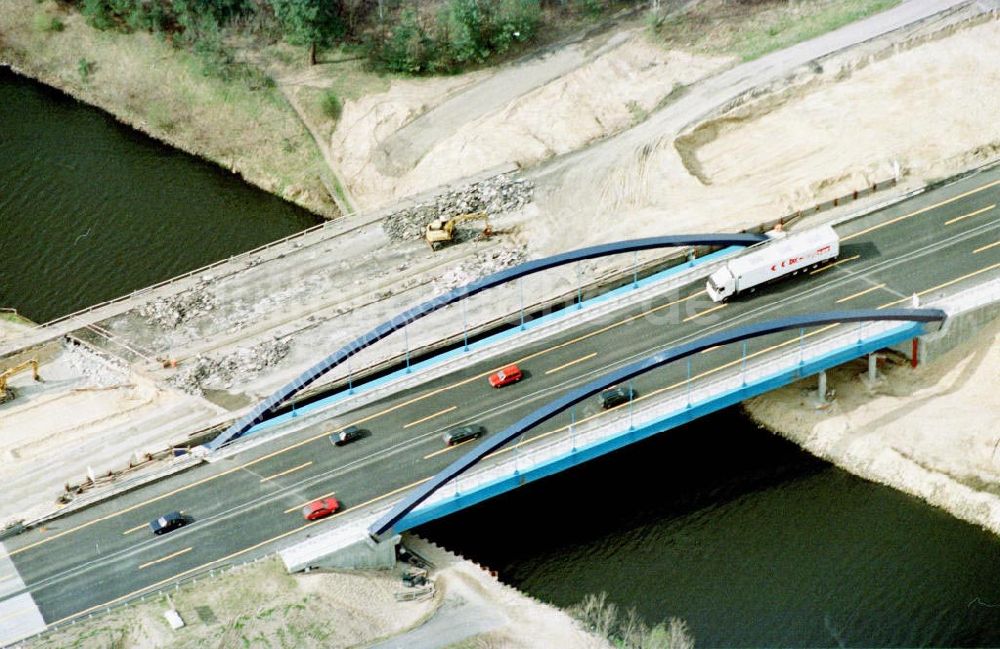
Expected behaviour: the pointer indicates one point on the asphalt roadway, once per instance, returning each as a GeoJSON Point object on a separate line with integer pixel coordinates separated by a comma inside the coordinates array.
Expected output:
{"type": "Point", "coordinates": [249, 505]}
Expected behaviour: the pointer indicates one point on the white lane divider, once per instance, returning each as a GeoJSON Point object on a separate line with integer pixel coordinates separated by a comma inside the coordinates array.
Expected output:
{"type": "Point", "coordinates": [19, 616]}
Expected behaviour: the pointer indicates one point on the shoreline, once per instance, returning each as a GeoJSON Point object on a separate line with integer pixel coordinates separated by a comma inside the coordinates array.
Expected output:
{"type": "Point", "coordinates": [246, 127]}
{"type": "Point", "coordinates": [178, 144]}
{"type": "Point", "coordinates": [929, 432]}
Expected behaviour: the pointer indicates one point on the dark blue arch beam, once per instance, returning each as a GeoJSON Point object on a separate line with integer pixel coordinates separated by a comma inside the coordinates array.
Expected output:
{"type": "Point", "coordinates": [261, 410]}
{"type": "Point", "coordinates": [384, 525]}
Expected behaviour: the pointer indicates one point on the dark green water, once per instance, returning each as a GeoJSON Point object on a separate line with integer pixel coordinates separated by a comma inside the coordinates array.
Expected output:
{"type": "Point", "coordinates": [91, 210]}
{"type": "Point", "coordinates": [750, 540]}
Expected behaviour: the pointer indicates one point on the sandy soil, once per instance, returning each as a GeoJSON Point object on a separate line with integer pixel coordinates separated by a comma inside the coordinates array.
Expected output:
{"type": "Point", "coordinates": [487, 612]}
{"type": "Point", "coordinates": [86, 413]}
{"type": "Point", "coordinates": [648, 181]}
{"type": "Point", "coordinates": [258, 605]}
{"type": "Point", "coordinates": [261, 605]}
{"type": "Point", "coordinates": [883, 113]}
{"type": "Point", "coordinates": [541, 108]}
{"type": "Point", "coordinates": [917, 430]}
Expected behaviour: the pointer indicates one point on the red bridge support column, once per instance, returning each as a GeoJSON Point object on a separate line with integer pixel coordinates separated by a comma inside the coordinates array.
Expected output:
{"type": "Point", "coordinates": [913, 354]}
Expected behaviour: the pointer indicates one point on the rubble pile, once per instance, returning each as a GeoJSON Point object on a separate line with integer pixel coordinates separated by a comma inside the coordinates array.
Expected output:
{"type": "Point", "coordinates": [496, 195]}
{"type": "Point", "coordinates": [170, 311]}
{"type": "Point", "coordinates": [97, 371]}
{"type": "Point", "coordinates": [221, 373]}
{"type": "Point", "coordinates": [479, 266]}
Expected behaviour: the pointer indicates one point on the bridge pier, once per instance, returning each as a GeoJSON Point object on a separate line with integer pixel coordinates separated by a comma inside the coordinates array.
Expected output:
{"type": "Point", "coordinates": [872, 369]}
{"type": "Point", "coordinates": [821, 392]}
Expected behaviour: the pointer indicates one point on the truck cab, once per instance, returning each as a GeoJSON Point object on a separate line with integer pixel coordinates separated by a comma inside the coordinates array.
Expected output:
{"type": "Point", "coordinates": [721, 284]}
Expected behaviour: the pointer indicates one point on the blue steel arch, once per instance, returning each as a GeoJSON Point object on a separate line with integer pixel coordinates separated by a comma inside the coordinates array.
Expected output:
{"type": "Point", "coordinates": [260, 411]}
{"type": "Point", "coordinates": [384, 525]}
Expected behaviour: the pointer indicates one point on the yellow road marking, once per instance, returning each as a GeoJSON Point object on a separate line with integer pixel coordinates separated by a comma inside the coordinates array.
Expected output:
{"type": "Point", "coordinates": [921, 210]}
{"type": "Point", "coordinates": [135, 529]}
{"type": "Point", "coordinates": [836, 263]}
{"type": "Point", "coordinates": [986, 247]}
{"type": "Point", "coordinates": [940, 286]}
{"type": "Point", "coordinates": [565, 365]}
{"type": "Point", "coordinates": [297, 507]}
{"type": "Point", "coordinates": [166, 558]}
{"type": "Point", "coordinates": [358, 422]}
{"type": "Point", "coordinates": [454, 385]}
{"type": "Point", "coordinates": [293, 469]}
{"type": "Point", "coordinates": [965, 216]}
{"type": "Point", "coordinates": [701, 313]}
{"type": "Point", "coordinates": [179, 575]}
{"type": "Point", "coordinates": [860, 293]}
{"type": "Point", "coordinates": [429, 417]}
{"type": "Point", "coordinates": [448, 448]}
{"type": "Point", "coordinates": [661, 390]}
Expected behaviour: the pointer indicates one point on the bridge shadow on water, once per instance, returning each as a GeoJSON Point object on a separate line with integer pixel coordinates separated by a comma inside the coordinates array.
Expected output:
{"type": "Point", "coordinates": [750, 539]}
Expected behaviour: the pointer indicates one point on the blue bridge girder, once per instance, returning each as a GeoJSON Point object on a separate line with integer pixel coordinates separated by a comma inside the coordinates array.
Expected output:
{"type": "Point", "coordinates": [384, 526]}
{"type": "Point", "coordinates": [261, 411]}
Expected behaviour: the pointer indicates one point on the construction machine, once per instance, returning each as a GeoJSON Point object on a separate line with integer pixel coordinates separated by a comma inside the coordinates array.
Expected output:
{"type": "Point", "coordinates": [442, 230]}
{"type": "Point", "coordinates": [6, 394]}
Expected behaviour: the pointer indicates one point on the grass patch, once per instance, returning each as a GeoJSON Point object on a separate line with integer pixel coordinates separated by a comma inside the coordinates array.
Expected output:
{"type": "Point", "coordinates": [13, 316]}
{"type": "Point", "coordinates": [751, 30]}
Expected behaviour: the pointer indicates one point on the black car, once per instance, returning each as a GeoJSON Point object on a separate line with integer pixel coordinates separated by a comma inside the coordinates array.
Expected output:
{"type": "Point", "coordinates": [348, 435]}
{"type": "Point", "coordinates": [616, 396]}
{"type": "Point", "coordinates": [459, 435]}
{"type": "Point", "coordinates": [168, 523]}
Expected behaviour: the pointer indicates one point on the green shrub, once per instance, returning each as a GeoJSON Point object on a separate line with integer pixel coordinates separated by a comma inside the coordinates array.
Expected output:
{"type": "Point", "coordinates": [331, 106]}
{"type": "Point", "coordinates": [84, 68]}
{"type": "Point", "coordinates": [42, 22]}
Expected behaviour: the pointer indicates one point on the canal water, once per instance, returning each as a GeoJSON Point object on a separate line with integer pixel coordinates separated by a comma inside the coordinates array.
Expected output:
{"type": "Point", "coordinates": [750, 540]}
{"type": "Point", "coordinates": [746, 537]}
{"type": "Point", "coordinates": [91, 210]}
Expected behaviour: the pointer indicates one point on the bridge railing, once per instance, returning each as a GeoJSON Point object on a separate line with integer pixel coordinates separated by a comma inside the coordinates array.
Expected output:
{"type": "Point", "coordinates": [680, 398]}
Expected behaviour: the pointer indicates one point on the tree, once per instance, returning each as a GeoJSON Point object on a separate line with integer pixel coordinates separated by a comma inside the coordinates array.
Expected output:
{"type": "Point", "coordinates": [308, 22]}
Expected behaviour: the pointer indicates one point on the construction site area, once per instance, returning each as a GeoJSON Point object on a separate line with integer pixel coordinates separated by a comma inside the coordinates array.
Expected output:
{"type": "Point", "coordinates": [608, 136]}
{"type": "Point", "coordinates": [139, 376]}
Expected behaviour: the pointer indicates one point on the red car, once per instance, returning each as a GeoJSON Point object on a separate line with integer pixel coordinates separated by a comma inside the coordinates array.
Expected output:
{"type": "Point", "coordinates": [506, 376]}
{"type": "Point", "coordinates": [320, 508]}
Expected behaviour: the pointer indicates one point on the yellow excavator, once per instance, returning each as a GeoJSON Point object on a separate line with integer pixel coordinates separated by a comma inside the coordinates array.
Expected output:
{"type": "Point", "coordinates": [441, 230]}
{"type": "Point", "coordinates": [6, 394]}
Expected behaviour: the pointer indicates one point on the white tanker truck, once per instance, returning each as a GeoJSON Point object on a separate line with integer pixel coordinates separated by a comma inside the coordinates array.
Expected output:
{"type": "Point", "coordinates": [784, 254]}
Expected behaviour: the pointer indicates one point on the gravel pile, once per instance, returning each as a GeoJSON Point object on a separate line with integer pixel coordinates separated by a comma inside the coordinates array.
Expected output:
{"type": "Point", "coordinates": [221, 373]}
{"type": "Point", "coordinates": [98, 371]}
{"type": "Point", "coordinates": [169, 312]}
{"type": "Point", "coordinates": [479, 266]}
{"type": "Point", "coordinates": [496, 195]}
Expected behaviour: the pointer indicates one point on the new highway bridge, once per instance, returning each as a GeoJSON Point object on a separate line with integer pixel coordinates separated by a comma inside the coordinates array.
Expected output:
{"type": "Point", "coordinates": [249, 504]}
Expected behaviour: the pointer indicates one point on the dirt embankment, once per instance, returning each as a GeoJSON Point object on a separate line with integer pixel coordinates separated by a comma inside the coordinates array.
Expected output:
{"type": "Point", "coordinates": [932, 432]}
{"type": "Point", "coordinates": [260, 604]}
{"type": "Point", "coordinates": [599, 89]}
{"type": "Point", "coordinates": [918, 103]}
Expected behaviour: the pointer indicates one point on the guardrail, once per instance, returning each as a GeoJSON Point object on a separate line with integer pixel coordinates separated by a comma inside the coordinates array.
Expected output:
{"type": "Point", "coordinates": [681, 404]}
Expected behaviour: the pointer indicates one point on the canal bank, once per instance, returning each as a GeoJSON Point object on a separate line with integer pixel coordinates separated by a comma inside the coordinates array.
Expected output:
{"type": "Point", "coordinates": [93, 210]}
{"type": "Point", "coordinates": [932, 432]}
{"type": "Point", "coordinates": [242, 125]}
{"type": "Point", "coordinates": [749, 539]}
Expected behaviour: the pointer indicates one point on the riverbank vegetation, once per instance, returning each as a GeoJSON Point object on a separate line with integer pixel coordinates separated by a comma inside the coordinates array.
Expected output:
{"type": "Point", "coordinates": [427, 37]}
{"type": "Point", "coordinates": [625, 629]}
